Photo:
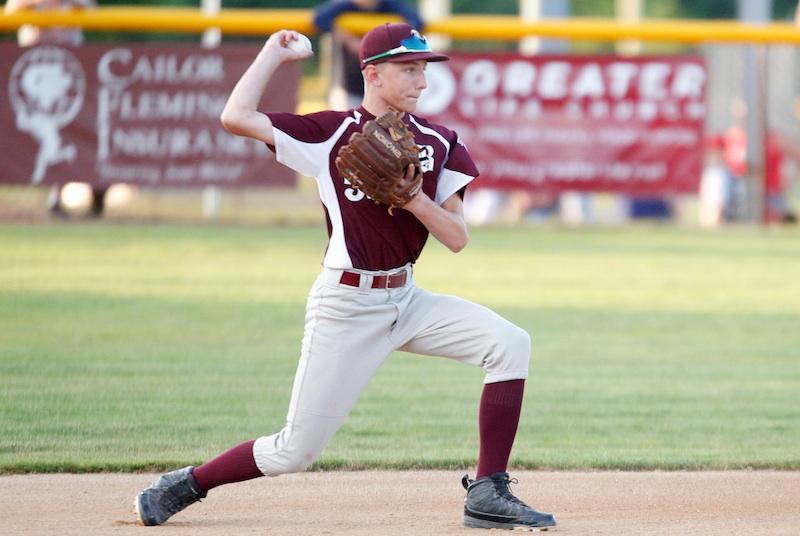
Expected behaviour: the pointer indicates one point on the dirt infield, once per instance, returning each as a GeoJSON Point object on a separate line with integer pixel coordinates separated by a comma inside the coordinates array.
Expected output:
{"type": "Point", "coordinates": [385, 503]}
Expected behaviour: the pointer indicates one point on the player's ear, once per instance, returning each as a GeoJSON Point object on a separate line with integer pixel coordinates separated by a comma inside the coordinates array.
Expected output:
{"type": "Point", "coordinates": [372, 75]}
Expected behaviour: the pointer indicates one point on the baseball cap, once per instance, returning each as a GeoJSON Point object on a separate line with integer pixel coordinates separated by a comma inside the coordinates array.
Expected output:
{"type": "Point", "coordinates": [396, 41]}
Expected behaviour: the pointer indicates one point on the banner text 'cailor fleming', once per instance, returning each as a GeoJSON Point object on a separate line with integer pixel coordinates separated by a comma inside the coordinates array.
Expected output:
{"type": "Point", "coordinates": [145, 114]}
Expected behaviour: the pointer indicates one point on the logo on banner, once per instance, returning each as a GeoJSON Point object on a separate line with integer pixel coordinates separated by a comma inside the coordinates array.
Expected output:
{"type": "Point", "coordinates": [46, 89]}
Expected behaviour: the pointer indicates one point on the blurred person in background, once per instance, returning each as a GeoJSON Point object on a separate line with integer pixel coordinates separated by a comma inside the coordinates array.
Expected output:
{"type": "Point", "coordinates": [735, 152]}
{"type": "Point", "coordinates": [28, 36]}
{"type": "Point", "coordinates": [347, 85]}
{"type": "Point", "coordinates": [779, 146]}
{"type": "Point", "coordinates": [715, 184]}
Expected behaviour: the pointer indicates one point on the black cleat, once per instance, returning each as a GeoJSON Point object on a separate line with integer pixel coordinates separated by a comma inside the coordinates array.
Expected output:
{"type": "Point", "coordinates": [489, 504]}
{"type": "Point", "coordinates": [168, 495]}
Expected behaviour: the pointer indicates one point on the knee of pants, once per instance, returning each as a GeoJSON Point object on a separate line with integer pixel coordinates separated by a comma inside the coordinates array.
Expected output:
{"type": "Point", "coordinates": [276, 455]}
{"type": "Point", "coordinates": [510, 355]}
{"type": "Point", "coordinates": [294, 449]}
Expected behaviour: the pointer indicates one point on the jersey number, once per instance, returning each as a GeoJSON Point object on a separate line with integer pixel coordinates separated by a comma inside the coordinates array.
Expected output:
{"type": "Point", "coordinates": [353, 194]}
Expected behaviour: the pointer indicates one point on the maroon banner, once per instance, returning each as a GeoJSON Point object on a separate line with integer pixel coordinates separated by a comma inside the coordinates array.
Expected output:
{"type": "Point", "coordinates": [141, 114]}
{"type": "Point", "coordinates": [593, 123]}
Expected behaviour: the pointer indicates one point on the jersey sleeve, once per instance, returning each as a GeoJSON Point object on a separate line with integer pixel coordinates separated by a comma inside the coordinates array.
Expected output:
{"type": "Point", "coordinates": [303, 142]}
{"type": "Point", "coordinates": [458, 171]}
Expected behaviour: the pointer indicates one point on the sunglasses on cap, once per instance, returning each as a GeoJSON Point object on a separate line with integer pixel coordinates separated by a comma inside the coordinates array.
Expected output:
{"type": "Point", "coordinates": [409, 44]}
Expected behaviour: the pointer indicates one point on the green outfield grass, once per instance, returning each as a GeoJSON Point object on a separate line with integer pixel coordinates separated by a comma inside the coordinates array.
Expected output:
{"type": "Point", "coordinates": [134, 346]}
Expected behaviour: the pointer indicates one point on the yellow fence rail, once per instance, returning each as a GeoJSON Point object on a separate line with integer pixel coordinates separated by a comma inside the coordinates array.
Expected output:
{"type": "Point", "coordinates": [484, 27]}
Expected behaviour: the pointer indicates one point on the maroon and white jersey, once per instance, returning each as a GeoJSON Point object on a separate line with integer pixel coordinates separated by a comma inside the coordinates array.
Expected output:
{"type": "Point", "coordinates": [362, 234]}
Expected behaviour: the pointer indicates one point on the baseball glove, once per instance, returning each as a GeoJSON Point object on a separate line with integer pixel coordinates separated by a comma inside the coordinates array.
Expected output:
{"type": "Point", "coordinates": [376, 161]}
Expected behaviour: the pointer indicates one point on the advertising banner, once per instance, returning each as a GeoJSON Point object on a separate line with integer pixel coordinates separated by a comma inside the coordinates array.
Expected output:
{"type": "Point", "coordinates": [141, 114]}
{"type": "Point", "coordinates": [586, 123]}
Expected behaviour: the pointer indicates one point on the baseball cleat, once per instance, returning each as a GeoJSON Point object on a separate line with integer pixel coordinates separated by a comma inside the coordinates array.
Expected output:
{"type": "Point", "coordinates": [168, 495]}
{"type": "Point", "coordinates": [489, 504]}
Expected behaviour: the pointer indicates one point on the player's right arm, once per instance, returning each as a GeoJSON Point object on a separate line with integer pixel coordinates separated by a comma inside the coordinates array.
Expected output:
{"type": "Point", "coordinates": [240, 115]}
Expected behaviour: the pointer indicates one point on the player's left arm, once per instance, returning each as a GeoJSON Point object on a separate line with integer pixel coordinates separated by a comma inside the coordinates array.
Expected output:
{"type": "Point", "coordinates": [444, 216]}
{"type": "Point", "coordinates": [445, 222]}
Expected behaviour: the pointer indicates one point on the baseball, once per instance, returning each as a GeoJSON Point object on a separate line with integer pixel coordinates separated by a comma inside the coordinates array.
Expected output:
{"type": "Point", "coordinates": [301, 44]}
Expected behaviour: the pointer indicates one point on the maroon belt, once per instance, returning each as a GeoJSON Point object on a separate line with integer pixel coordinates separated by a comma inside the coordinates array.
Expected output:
{"type": "Point", "coordinates": [353, 279]}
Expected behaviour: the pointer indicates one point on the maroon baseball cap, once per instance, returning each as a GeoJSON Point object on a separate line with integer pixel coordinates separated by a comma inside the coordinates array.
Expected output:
{"type": "Point", "coordinates": [396, 41]}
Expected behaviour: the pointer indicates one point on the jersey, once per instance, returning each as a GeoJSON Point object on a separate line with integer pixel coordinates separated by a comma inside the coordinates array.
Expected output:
{"type": "Point", "coordinates": [362, 234]}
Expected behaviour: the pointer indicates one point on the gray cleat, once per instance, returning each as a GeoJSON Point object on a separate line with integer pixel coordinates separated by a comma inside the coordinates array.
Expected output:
{"type": "Point", "coordinates": [489, 504]}
{"type": "Point", "coordinates": [168, 495]}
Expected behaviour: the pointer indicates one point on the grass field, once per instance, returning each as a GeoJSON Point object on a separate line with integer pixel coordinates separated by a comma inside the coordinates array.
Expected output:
{"type": "Point", "coordinates": [129, 346]}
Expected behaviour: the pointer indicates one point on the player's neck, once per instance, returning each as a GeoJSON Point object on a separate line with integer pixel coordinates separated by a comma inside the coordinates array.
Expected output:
{"type": "Point", "coordinates": [377, 107]}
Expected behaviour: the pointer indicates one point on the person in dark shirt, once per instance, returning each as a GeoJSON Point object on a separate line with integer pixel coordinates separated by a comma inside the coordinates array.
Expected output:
{"type": "Point", "coordinates": [346, 85]}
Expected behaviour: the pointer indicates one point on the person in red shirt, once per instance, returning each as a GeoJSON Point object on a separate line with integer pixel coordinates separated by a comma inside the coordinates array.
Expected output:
{"type": "Point", "coordinates": [776, 148]}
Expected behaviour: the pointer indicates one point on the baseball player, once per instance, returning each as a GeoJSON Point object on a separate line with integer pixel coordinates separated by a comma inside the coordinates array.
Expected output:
{"type": "Point", "coordinates": [364, 305]}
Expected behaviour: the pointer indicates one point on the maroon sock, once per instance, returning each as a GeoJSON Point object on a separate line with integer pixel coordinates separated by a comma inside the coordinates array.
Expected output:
{"type": "Point", "coordinates": [498, 418]}
{"type": "Point", "coordinates": [235, 465]}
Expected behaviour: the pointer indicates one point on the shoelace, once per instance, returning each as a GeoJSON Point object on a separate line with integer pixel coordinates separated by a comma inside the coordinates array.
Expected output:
{"type": "Point", "coordinates": [504, 490]}
{"type": "Point", "coordinates": [178, 499]}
